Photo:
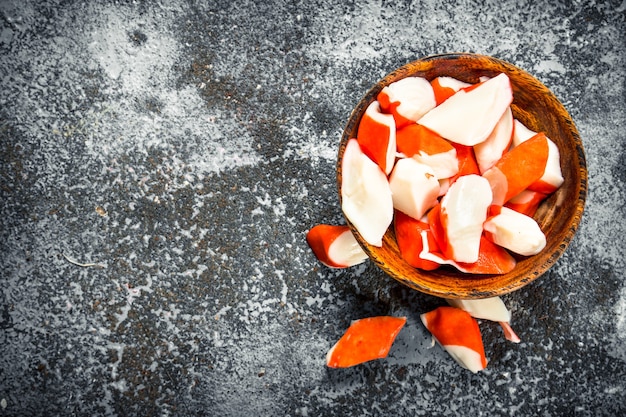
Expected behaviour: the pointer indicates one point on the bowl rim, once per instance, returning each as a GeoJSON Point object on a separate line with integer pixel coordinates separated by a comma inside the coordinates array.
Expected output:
{"type": "Point", "coordinates": [467, 286]}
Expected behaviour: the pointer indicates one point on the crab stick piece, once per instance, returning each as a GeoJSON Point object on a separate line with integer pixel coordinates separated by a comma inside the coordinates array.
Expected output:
{"type": "Point", "coordinates": [526, 202]}
{"type": "Point", "coordinates": [407, 99]}
{"type": "Point", "coordinates": [408, 140]}
{"type": "Point", "coordinates": [408, 235]}
{"type": "Point", "coordinates": [497, 143]}
{"type": "Point", "coordinates": [444, 87]}
{"type": "Point", "coordinates": [365, 340]}
{"type": "Point", "coordinates": [516, 232]}
{"type": "Point", "coordinates": [552, 177]}
{"type": "Point", "coordinates": [436, 152]}
{"type": "Point", "coordinates": [468, 117]}
{"type": "Point", "coordinates": [365, 194]}
{"type": "Point", "coordinates": [521, 133]}
{"type": "Point", "coordinates": [458, 333]}
{"type": "Point", "coordinates": [492, 309]}
{"type": "Point", "coordinates": [518, 168]}
{"type": "Point", "coordinates": [462, 214]}
{"type": "Point", "coordinates": [466, 160]}
{"type": "Point", "coordinates": [335, 246]}
{"type": "Point", "coordinates": [414, 187]}
{"type": "Point", "coordinates": [428, 147]}
{"type": "Point", "coordinates": [377, 137]}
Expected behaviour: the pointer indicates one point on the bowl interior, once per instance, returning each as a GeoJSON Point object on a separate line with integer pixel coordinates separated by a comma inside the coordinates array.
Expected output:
{"type": "Point", "coordinates": [558, 216]}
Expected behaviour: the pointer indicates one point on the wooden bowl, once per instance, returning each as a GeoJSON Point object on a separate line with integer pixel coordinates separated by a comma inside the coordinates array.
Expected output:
{"type": "Point", "coordinates": [558, 216]}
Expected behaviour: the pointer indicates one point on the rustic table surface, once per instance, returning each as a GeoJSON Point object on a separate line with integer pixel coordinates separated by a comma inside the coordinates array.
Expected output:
{"type": "Point", "coordinates": [161, 163]}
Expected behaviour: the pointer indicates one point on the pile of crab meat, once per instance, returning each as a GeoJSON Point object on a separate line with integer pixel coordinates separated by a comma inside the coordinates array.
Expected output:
{"type": "Point", "coordinates": [459, 178]}
{"type": "Point", "coordinates": [446, 164]}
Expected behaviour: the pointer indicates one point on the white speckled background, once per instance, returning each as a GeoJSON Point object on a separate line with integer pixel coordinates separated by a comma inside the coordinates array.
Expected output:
{"type": "Point", "coordinates": [161, 162]}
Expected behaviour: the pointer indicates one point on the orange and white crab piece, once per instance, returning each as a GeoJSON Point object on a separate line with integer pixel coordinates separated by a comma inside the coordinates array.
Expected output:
{"type": "Point", "coordinates": [376, 135]}
{"type": "Point", "coordinates": [458, 333]}
{"type": "Point", "coordinates": [407, 99]}
{"type": "Point", "coordinates": [365, 340]}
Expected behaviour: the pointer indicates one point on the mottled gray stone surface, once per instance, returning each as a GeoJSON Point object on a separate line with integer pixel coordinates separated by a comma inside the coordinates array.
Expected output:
{"type": "Point", "coordinates": [161, 162]}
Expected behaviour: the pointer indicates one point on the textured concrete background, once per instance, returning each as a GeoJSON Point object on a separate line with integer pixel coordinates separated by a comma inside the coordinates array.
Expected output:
{"type": "Point", "coordinates": [161, 162]}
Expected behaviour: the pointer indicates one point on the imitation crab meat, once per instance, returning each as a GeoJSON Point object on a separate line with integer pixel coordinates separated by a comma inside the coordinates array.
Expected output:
{"type": "Point", "coordinates": [407, 100]}
{"type": "Point", "coordinates": [365, 340]}
{"type": "Point", "coordinates": [335, 246]}
{"type": "Point", "coordinates": [366, 195]}
{"type": "Point", "coordinates": [469, 116]}
{"type": "Point", "coordinates": [458, 333]}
